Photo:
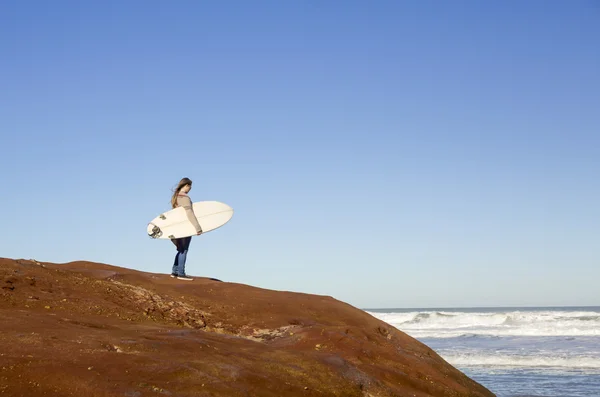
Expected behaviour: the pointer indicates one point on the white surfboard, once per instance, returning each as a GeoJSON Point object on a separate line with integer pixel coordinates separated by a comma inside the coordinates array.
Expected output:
{"type": "Point", "coordinates": [174, 223]}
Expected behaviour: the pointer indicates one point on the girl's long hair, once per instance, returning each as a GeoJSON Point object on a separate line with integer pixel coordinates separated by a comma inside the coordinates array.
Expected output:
{"type": "Point", "coordinates": [180, 185]}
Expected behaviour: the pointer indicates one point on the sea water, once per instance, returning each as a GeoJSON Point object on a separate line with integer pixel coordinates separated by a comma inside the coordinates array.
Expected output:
{"type": "Point", "coordinates": [524, 352]}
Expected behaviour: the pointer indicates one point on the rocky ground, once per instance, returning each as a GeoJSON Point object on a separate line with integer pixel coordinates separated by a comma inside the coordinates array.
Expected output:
{"type": "Point", "coordinates": [89, 329]}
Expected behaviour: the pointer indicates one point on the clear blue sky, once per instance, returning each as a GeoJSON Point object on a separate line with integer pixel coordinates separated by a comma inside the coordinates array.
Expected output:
{"type": "Point", "coordinates": [388, 153]}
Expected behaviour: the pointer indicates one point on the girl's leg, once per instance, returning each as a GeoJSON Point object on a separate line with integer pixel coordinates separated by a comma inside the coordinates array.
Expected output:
{"type": "Point", "coordinates": [183, 248]}
{"type": "Point", "coordinates": [177, 243]}
{"type": "Point", "coordinates": [182, 256]}
{"type": "Point", "coordinates": [175, 264]}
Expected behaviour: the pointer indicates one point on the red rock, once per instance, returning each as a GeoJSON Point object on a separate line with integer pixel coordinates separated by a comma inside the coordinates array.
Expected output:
{"type": "Point", "coordinates": [112, 331]}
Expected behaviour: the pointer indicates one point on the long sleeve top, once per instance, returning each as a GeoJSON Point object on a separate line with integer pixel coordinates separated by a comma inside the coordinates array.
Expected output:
{"type": "Point", "coordinates": [183, 200]}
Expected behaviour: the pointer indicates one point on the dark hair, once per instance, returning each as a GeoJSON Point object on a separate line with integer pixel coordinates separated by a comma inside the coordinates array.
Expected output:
{"type": "Point", "coordinates": [182, 183]}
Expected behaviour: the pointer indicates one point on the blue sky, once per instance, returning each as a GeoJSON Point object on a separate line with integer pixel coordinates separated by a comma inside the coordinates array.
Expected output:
{"type": "Point", "coordinates": [389, 154]}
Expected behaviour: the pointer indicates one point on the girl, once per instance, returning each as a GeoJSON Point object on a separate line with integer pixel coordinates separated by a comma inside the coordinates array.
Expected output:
{"type": "Point", "coordinates": [181, 199]}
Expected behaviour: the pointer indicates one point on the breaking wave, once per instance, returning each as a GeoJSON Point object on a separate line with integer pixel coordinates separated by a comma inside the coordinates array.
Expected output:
{"type": "Point", "coordinates": [446, 324]}
{"type": "Point", "coordinates": [504, 360]}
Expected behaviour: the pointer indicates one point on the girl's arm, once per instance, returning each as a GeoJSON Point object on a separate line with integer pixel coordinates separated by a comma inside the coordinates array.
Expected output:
{"type": "Point", "coordinates": [189, 210]}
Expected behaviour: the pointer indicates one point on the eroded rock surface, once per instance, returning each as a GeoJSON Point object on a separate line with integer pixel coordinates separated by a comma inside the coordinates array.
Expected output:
{"type": "Point", "coordinates": [88, 329]}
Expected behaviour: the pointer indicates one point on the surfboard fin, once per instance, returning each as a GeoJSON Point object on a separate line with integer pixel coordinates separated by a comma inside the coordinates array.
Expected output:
{"type": "Point", "coordinates": [156, 232]}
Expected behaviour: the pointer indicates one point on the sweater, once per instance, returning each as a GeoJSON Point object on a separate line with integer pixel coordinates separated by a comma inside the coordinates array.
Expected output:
{"type": "Point", "coordinates": [183, 200]}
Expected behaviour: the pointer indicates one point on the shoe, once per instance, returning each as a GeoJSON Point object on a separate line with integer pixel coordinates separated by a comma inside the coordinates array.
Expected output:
{"type": "Point", "coordinates": [184, 278]}
{"type": "Point", "coordinates": [173, 275]}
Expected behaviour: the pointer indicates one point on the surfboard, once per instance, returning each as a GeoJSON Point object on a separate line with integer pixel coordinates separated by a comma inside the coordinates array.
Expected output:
{"type": "Point", "coordinates": [174, 223]}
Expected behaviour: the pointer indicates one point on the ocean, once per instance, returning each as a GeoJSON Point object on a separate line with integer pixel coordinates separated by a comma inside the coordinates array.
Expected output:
{"type": "Point", "coordinates": [514, 352]}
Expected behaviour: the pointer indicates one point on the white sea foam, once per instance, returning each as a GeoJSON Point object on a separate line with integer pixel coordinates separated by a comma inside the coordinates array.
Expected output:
{"type": "Point", "coordinates": [529, 352]}
{"type": "Point", "coordinates": [445, 324]}
{"type": "Point", "coordinates": [504, 360]}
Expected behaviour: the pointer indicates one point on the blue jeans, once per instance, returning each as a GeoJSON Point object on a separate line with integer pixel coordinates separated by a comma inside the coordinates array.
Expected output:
{"type": "Point", "coordinates": [183, 245]}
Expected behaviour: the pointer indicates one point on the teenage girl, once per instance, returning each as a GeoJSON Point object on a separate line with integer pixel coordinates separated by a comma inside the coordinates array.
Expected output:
{"type": "Point", "coordinates": [181, 199]}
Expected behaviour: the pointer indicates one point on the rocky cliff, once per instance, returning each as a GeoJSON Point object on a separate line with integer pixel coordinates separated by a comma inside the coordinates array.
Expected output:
{"type": "Point", "coordinates": [89, 329]}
